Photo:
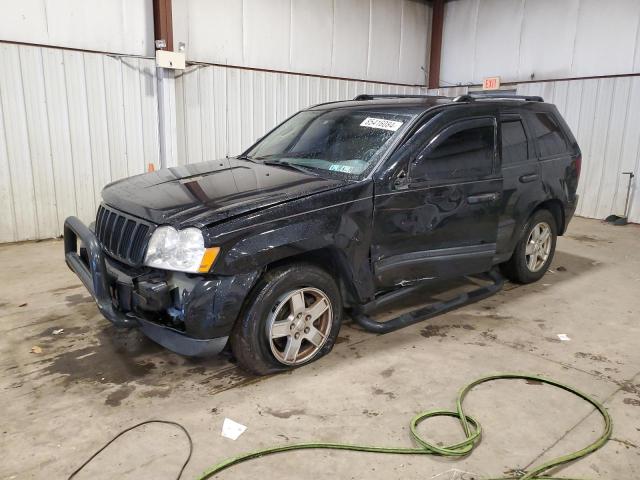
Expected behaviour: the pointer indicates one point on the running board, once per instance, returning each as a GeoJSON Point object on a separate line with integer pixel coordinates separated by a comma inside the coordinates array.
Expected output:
{"type": "Point", "coordinates": [423, 313]}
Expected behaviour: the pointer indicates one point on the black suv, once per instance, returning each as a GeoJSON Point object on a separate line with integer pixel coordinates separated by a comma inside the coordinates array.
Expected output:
{"type": "Point", "coordinates": [343, 205]}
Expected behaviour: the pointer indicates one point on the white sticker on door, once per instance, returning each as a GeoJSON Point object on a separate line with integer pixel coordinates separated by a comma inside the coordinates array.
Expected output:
{"type": "Point", "coordinates": [381, 123]}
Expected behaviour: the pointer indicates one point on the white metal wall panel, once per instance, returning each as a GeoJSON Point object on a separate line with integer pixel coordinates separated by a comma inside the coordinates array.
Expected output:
{"type": "Point", "coordinates": [16, 137]}
{"type": "Point", "coordinates": [374, 40]}
{"type": "Point", "coordinates": [414, 42]}
{"type": "Point", "coordinates": [222, 110]}
{"type": "Point", "coordinates": [119, 26]}
{"type": "Point", "coordinates": [606, 37]}
{"type": "Point", "coordinates": [384, 40]}
{"type": "Point", "coordinates": [311, 35]}
{"type": "Point", "coordinates": [604, 115]}
{"type": "Point", "coordinates": [458, 41]}
{"type": "Point", "coordinates": [350, 49]}
{"type": "Point", "coordinates": [497, 42]}
{"type": "Point", "coordinates": [545, 39]}
{"type": "Point", "coordinates": [266, 34]}
{"type": "Point", "coordinates": [548, 36]}
{"type": "Point", "coordinates": [70, 123]}
{"type": "Point", "coordinates": [194, 20]}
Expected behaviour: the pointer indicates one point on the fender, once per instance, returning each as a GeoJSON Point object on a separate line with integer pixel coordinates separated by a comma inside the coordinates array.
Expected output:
{"type": "Point", "coordinates": [336, 223]}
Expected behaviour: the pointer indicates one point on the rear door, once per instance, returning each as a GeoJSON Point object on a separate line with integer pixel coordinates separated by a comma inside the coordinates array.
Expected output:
{"type": "Point", "coordinates": [443, 222]}
{"type": "Point", "coordinates": [522, 184]}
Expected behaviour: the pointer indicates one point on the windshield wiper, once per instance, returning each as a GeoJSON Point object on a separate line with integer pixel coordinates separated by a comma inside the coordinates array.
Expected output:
{"type": "Point", "coordinates": [295, 166]}
{"type": "Point", "coordinates": [247, 158]}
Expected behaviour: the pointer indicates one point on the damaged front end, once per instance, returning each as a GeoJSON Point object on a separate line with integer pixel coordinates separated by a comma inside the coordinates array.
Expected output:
{"type": "Point", "coordinates": [189, 314]}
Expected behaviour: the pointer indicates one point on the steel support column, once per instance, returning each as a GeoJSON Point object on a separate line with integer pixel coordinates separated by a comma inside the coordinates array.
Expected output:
{"type": "Point", "coordinates": [163, 30]}
{"type": "Point", "coordinates": [435, 53]}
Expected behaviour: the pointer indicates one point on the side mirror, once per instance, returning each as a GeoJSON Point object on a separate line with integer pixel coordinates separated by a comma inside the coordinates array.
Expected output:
{"type": "Point", "coordinates": [400, 182]}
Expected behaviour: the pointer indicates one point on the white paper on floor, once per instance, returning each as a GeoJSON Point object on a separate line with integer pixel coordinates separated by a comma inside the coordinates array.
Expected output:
{"type": "Point", "coordinates": [563, 337]}
{"type": "Point", "coordinates": [231, 429]}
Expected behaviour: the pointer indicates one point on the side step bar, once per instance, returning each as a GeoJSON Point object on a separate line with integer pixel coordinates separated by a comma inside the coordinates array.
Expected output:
{"type": "Point", "coordinates": [422, 313]}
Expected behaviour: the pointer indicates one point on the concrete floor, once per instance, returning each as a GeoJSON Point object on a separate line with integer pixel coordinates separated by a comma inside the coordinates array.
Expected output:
{"type": "Point", "coordinates": [91, 380]}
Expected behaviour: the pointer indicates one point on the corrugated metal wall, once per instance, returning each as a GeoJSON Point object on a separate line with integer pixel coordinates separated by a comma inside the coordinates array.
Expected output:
{"type": "Point", "coordinates": [70, 122]}
{"type": "Point", "coordinates": [523, 40]}
{"type": "Point", "coordinates": [371, 40]}
{"type": "Point", "coordinates": [223, 110]}
{"type": "Point", "coordinates": [604, 115]}
{"type": "Point", "coordinates": [115, 26]}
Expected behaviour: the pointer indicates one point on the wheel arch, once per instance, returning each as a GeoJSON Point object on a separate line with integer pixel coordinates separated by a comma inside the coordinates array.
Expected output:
{"type": "Point", "coordinates": [556, 208]}
{"type": "Point", "coordinates": [332, 261]}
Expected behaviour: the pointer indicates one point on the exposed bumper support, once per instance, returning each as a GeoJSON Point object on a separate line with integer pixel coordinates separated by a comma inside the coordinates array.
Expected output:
{"type": "Point", "coordinates": [94, 275]}
{"type": "Point", "coordinates": [95, 278]}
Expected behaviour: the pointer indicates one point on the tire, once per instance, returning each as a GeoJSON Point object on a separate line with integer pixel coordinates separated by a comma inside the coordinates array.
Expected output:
{"type": "Point", "coordinates": [520, 267]}
{"type": "Point", "coordinates": [270, 312]}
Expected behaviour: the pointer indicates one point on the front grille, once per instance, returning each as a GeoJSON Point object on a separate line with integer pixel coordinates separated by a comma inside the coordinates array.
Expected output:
{"type": "Point", "coordinates": [122, 236]}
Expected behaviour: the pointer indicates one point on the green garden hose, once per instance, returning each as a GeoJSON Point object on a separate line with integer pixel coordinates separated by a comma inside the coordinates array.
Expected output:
{"type": "Point", "coordinates": [470, 427]}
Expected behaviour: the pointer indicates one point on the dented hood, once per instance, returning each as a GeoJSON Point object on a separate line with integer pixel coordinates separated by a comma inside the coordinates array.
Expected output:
{"type": "Point", "coordinates": [209, 192]}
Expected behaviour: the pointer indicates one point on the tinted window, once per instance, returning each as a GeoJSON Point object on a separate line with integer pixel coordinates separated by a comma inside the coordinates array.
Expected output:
{"type": "Point", "coordinates": [465, 153]}
{"type": "Point", "coordinates": [514, 142]}
{"type": "Point", "coordinates": [550, 137]}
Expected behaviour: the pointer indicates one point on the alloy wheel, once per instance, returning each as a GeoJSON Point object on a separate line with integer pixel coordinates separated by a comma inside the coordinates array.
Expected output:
{"type": "Point", "coordinates": [299, 324]}
{"type": "Point", "coordinates": [538, 246]}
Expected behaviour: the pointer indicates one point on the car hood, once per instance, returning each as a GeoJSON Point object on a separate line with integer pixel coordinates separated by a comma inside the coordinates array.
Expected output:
{"type": "Point", "coordinates": [209, 192]}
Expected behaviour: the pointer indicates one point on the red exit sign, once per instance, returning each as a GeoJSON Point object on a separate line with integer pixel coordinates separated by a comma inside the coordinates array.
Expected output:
{"type": "Point", "coordinates": [491, 83]}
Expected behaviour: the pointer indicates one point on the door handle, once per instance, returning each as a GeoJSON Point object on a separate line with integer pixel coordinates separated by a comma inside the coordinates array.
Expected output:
{"type": "Point", "coordinates": [528, 178]}
{"type": "Point", "coordinates": [483, 198]}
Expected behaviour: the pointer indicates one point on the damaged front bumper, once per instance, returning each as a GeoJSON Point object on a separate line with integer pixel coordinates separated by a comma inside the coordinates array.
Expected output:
{"type": "Point", "coordinates": [190, 315]}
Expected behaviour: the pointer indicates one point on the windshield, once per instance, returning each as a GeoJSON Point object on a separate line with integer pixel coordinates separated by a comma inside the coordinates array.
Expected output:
{"type": "Point", "coordinates": [342, 140]}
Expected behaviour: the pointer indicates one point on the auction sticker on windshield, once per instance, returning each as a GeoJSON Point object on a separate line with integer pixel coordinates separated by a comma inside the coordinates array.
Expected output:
{"type": "Point", "coordinates": [381, 123]}
{"type": "Point", "coordinates": [341, 168]}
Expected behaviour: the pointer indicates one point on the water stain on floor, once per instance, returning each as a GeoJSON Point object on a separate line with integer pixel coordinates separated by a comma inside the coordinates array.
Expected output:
{"type": "Point", "coordinates": [77, 299]}
{"type": "Point", "coordinates": [591, 356]}
{"type": "Point", "coordinates": [387, 373]}
{"type": "Point", "coordinates": [114, 399]}
{"type": "Point", "coordinates": [284, 413]}
{"type": "Point", "coordinates": [379, 391]}
{"type": "Point", "coordinates": [64, 289]}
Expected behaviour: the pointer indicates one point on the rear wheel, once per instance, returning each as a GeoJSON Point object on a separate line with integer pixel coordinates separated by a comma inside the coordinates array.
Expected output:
{"type": "Point", "coordinates": [534, 252]}
{"type": "Point", "coordinates": [292, 318]}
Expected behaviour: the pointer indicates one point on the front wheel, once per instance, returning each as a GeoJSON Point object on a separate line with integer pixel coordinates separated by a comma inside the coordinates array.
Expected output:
{"type": "Point", "coordinates": [292, 318]}
{"type": "Point", "coordinates": [534, 252]}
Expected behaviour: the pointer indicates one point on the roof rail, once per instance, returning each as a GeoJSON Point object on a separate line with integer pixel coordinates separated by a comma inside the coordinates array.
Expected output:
{"type": "Point", "coordinates": [367, 96]}
{"type": "Point", "coordinates": [470, 97]}
{"type": "Point", "coordinates": [463, 98]}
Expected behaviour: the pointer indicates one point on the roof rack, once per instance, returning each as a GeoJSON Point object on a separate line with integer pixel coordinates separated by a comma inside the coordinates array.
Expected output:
{"type": "Point", "coordinates": [367, 96]}
{"type": "Point", "coordinates": [470, 97]}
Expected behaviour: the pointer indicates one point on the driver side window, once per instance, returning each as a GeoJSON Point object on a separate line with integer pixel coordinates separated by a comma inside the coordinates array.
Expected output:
{"type": "Point", "coordinates": [465, 150]}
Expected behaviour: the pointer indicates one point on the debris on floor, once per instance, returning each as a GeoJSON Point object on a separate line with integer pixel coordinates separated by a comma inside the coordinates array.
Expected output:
{"type": "Point", "coordinates": [36, 349]}
{"type": "Point", "coordinates": [564, 337]}
{"type": "Point", "coordinates": [231, 429]}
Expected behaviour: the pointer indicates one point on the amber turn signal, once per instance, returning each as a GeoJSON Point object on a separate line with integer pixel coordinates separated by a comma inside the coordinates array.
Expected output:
{"type": "Point", "coordinates": [210, 255]}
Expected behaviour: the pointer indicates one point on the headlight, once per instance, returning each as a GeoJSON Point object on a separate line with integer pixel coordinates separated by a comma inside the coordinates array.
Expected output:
{"type": "Point", "coordinates": [182, 250]}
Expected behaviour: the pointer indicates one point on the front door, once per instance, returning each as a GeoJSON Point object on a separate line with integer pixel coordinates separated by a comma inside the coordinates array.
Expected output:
{"type": "Point", "coordinates": [442, 221]}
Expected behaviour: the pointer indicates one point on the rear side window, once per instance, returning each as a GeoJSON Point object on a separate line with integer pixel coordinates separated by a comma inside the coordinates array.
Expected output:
{"type": "Point", "coordinates": [466, 150]}
{"type": "Point", "coordinates": [549, 135]}
{"type": "Point", "coordinates": [514, 142]}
